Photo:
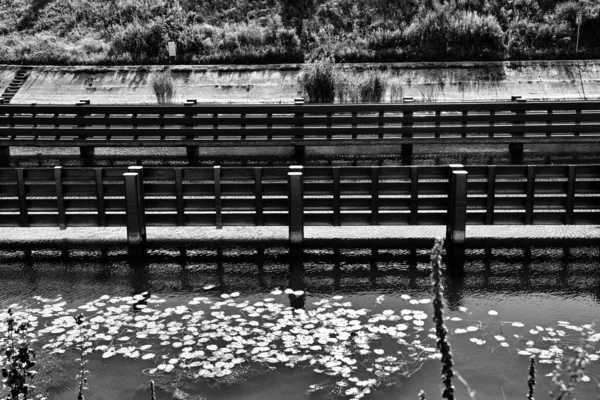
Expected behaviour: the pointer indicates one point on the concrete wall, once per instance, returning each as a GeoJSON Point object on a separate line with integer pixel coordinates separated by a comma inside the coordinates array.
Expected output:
{"type": "Point", "coordinates": [278, 83]}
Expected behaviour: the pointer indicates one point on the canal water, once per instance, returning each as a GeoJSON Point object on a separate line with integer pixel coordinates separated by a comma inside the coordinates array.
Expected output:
{"type": "Point", "coordinates": [513, 301]}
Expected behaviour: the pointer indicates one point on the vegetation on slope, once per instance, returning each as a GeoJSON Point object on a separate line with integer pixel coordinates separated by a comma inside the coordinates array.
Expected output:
{"type": "Point", "coordinates": [274, 31]}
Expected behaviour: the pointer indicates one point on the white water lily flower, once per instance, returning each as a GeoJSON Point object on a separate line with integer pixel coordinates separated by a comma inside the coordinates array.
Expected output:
{"type": "Point", "coordinates": [234, 294]}
{"type": "Point", "coordinates": [378, 351]}
{"type": "Point", "coordinates": [492, 312]}
{"type": "Point", "coordinates": [405, 297]}
{"type": "Point", "coordinates": [504, 344]}
{"type": "Point", "coordinates": [518, 324]}
{"type": "Point", "coordinates": [499, 338]}
{"type": "Point", "coordinates": [472, 328]}
{"type": "Point", "coordinates": [524, 353]}
{"type": "Point", "coordinates": [460, 330]}
{"type": "Point", "coordinates": [276, 292]}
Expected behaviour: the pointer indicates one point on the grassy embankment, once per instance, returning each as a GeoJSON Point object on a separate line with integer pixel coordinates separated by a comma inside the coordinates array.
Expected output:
{"type": "Point", "coordinates": [103, 32]}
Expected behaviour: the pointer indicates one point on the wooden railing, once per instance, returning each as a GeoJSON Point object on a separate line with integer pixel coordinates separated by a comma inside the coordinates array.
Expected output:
{"type": "Point", "coordinates": [88, 126]}
{"type": "Point", "coordinates": [335, 196]}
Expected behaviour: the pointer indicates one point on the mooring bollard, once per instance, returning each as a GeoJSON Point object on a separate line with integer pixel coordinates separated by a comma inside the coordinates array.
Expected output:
{"type": "Point", "coordinates": [457, 208]}
{"type": "Point", "coordinates": [296, 207]}
{"type": "Point", "coordinates": [135, 229]}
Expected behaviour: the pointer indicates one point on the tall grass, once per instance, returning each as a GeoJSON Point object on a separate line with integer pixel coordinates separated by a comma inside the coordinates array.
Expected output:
{"type": "Point", "coordinates": [163, 86]}
{"type": "Point", "coordinates": [317, 81]}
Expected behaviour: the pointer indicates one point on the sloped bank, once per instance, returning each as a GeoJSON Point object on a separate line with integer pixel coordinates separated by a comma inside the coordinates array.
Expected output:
{"type": "Point", "coordinates": [462, 81]}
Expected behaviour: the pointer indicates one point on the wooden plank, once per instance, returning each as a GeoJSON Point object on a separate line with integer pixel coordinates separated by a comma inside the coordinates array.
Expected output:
{"type": "Point", "coordinates": [179, 196]}
{"type": "Point", "coordinates": [218, 208]}
{"type": "Point", "coordinates": [24, 220]}
{"type": "Point", "coordinates": [491, 193]}
{"type": "Point", "coordinates": [374, 195]}
{"type": "Point", "coordinates": [258, 200]}
{"type": "Point", "coordinates": [570, 204]}
{"type": "Point", "coordinates": [60, 199]}
{"type": "Point", "coordinates": [530, 194]}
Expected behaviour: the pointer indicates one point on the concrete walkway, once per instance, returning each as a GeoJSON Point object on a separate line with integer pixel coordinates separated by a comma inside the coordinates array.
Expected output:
{"type": "Point", "coordinates": [313, 235]}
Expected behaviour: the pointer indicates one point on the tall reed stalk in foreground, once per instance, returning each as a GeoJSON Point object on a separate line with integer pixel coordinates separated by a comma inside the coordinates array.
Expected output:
{"type": "Point", "coordinates": [438, 318]}
{"type": "Point", "coordinates": [79, 320]}
{"type": "Point", "coordinates": [531, 380]}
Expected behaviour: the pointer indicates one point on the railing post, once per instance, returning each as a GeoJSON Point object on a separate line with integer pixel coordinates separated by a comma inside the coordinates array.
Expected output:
{"type": "Point", "coordinates": [86, 152]}
{"type": "Point", "coordinates": [407, 148]}
{"type": "Point", "coordinates": [457, 208]}
{"type": "Point", "coordinates": [60, 198]}
{"type": "Point", "coordinates": [296, 207]}
{"type": "Point", "coordinates": [142, 209]}
{"type": "Point", "coordinates": [4, 156]}
{"type": "Point", "coordinates": [516, 149]}
{"type": "Point", "coordinates": [192, 152]}
{"type": "Point", "coordinates": [457, 221]}
{"type": "Point", "coordinates": [135, 237]}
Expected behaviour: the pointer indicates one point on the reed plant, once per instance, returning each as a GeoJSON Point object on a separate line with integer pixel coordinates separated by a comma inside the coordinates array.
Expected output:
{"type": "Point", "coordinates": [441, 331]}
{"type": "Point", "coordinates": [163, 86]}
{"type": "Point", "coordinates": [317, 81]}
{"type": "Point", "coordinates": [81, 340]}
{"type": "Point", "coordinates": [531, 380]}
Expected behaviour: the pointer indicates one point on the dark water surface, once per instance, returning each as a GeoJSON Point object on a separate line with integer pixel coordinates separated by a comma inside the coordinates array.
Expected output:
{"type": "Point", "coordinates": [537, 285]}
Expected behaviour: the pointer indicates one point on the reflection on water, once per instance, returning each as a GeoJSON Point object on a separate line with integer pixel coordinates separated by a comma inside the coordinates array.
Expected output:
{"type": "Point", "coordinates": [568, 269]}
{"type": "Point", "coordinates": [538, 284]}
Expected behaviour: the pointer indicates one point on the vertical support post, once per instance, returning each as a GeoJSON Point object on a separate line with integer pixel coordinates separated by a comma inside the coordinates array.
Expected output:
{"type": "Point", "coordinates": [570, 195]}
{"type": "Point", "coordinates": [457, 221]}
{"type": "Point", "coordinates": [457, 210]}
{"type": "Point", "coordinates": [414, 195]}
{"type": "Point", "coordinates": [516, 149]}
{"type": "Point", "coordinates": [179, 196]}
{"type": "Point", "coordinates": [530, 195]}
{"type": "Point", "coordinates": [135, 238]}
{"type": "Point", "coordinates": [407, 148]}
{"type": "Point", "coordinates": [296, 207]}
{"type": "Point", "coordinates": [218, 204]}
{"type": "Point", "coordinates": [4, 156]}
{"type": "Point", "coordinates": [192, 152]}
{"type": "Point", "coordinates": [337, 207]}
{"type": "Point", "coordinates": [142, 209]}
{"type": "Point", "coordinates": [87, 155]}
{"type": "Point", "coordinates": [491, 195]}
{"type": "Point", "coordinates": [258, 197]}
{"type": "Point", "coordinates": [374, 195]}
{"type": "Point", "coordinates": [60, 198]}
{"type": "Point", "coordinates": [100, 197]}
{"type": "Point", "coordinates": [24, 220]}
{"type": "Point", "coordinates": [299, 149]}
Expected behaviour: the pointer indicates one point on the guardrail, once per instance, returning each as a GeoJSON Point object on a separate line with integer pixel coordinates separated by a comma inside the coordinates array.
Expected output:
{"type": "Point", "coordinates": [192, 125]}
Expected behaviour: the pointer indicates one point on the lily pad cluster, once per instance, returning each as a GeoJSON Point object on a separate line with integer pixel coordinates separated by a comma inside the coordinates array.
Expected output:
{"type": "Point", "coordinates": [212, 338]}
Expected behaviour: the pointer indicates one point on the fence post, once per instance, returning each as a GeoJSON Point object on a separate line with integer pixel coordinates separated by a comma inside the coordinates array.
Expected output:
{"type": "Point", "coordinates": [142, 209]}
{"type": "Point", "coordinates": [296, 207]}
{"type": "Point", "coordinates": [4, 156]}
{"type": "Point", "coordinates": [457, 220]}
{"type": "Point", "coordinates": [60, 198]}
{"type": "Point", "coordinates": [135, 238]}
{"type": "Point", "coordinates": [457, 208]}
{"type": "Point", "coordinates": [86, 152]}
{"type": "Point", "coordinates": [516, 149]}
{"type": "Point", "coordinates": [192, 152]}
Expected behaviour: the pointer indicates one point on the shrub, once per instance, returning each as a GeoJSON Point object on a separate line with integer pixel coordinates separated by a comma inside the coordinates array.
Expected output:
{"type": "Point", "coordinates": [446, 34]}
{"type": "Point", "coordinates": [142, 42]}
{"type": "Point", "coordinates": [317, 80]}
{"type": "Point", "coordinates": [163, 86]}
{"type": "Point", "coordinates": [528, 40]}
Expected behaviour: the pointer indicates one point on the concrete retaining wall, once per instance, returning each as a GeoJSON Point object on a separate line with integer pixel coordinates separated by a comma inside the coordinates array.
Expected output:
{"type": "Point", "coordinates": [278, 83]}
